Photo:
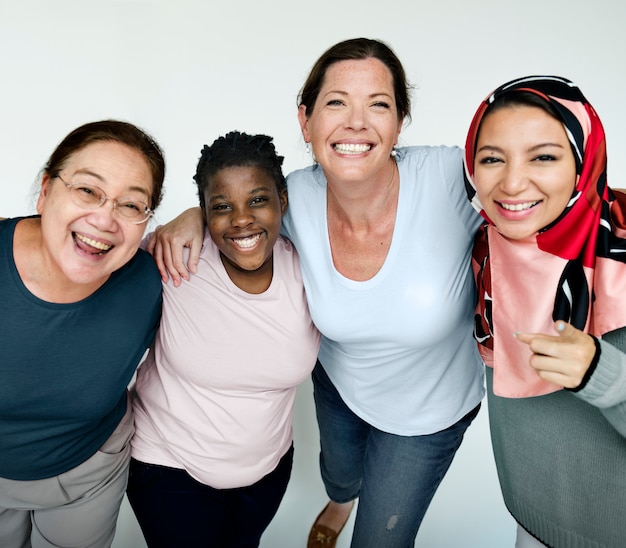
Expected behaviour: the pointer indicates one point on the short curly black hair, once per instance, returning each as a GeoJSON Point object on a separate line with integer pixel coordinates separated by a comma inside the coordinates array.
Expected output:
{"type": "Point", "coordinates": [238, 149]}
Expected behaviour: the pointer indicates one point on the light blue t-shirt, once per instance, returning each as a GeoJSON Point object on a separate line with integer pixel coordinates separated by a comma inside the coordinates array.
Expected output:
{"type": "Point", "coordinates": [398, 347]}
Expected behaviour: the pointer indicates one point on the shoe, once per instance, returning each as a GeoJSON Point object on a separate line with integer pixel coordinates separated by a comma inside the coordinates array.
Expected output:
{"type": "Point", "coordinates": [321, 536]}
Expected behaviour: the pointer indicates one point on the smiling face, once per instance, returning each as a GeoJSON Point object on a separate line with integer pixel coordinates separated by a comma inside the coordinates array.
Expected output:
{"type": "Point", "coordinates": [354, 122]}
{"type": "Point", "coordinates": [84, 246]}
{"type": "Point", "coordinates": [524, 169]}
{"type": "Point", "coordinates": [243, 211]}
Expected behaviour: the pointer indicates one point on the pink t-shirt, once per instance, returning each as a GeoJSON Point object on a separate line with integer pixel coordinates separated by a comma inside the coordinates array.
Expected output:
{"type": "Point", "coordinates": [215, 396]}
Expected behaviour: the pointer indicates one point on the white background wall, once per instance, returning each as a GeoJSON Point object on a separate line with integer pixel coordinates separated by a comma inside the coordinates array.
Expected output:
{"type": "Point", "coordinates": [190, 70]}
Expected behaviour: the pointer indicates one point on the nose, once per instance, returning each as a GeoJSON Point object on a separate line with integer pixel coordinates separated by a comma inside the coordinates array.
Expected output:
{"type": "Point", "coordinates": [357, 118]}
{"type": "Point", "coordinates": [514, 179]}
{"type": "Point", "coordinates": [242, 217]}
{"type": "Point", "coordinates": [104, 217]}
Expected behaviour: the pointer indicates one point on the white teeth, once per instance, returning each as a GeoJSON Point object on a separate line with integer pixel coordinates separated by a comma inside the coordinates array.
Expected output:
{"type": "Point", "coordinates": [94, 243]}
{"type": "Point", "coordinates": [350, 148]}
{"type": "Point", "coordinates": [519, 207]}
{"type": "Point", "coordinates": [247, 242]}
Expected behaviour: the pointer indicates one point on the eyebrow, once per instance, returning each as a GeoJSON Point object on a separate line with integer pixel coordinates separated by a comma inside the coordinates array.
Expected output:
{"type": "Point", "coordinates": [493, 148]}
{"type": "Point", "coordinates": [371, 95]}
{"type": "Point", "coordinates": [87, 171]}
{"type": "Point", "coordinates": [251, 193]}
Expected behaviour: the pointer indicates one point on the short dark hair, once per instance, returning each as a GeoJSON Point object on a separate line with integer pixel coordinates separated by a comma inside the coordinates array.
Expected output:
{"type": "Point", "coordinates": [357, 49]}
{"type": "Point", "coordinates": [238, 149]}
{"type": "Point", "coordinates": [119, 132]}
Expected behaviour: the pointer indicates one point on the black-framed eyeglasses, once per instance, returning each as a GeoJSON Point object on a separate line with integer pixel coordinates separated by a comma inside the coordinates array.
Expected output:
{"type": "Point", "coordinates": [92, 197]}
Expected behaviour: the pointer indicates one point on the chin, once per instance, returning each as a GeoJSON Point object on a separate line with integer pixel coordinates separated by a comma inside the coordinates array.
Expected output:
{"type": "Point", "coordinates": [516, 234]}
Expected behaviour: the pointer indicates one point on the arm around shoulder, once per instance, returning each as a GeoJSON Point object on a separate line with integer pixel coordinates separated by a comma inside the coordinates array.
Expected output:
{"type": "Point", "coordinates": [169, 240]}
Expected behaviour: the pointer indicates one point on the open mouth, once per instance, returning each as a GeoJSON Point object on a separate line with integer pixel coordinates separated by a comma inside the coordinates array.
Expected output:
{"type": "Point", "coordinates": [247, 242]}
{"type": "Point", "coordinates": [88, 245]}
{"type": "Point", "coordinates": [351, 148]}
{"type": "Point", "coordinates": [518, 207]}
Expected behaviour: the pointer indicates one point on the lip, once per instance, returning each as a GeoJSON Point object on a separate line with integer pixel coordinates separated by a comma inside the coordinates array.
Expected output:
{"type": "Point", "coordinates": [517, 209]}
{"type": "Point", "coordinates": [352, 148]}
{"type": "Point", "coordinates": [246, 242]}
{"type": "Point", "coordinates": [90, 245]}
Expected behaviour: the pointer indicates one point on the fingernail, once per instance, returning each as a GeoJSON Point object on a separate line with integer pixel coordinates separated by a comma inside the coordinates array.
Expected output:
{"type": "Point", "coordinates": [560, 326]}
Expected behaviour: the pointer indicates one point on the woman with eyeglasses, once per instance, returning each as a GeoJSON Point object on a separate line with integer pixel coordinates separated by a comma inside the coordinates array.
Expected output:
{"type": "Point", "coordinates": [80, 307]}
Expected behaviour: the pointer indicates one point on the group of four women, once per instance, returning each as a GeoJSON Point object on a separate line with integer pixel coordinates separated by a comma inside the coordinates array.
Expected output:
{"type": "Point", "coordinates": [386, 239]}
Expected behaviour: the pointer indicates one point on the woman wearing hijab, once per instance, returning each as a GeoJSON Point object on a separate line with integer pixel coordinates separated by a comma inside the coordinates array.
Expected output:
{"type": "Point", "coordinates": [551, 274]}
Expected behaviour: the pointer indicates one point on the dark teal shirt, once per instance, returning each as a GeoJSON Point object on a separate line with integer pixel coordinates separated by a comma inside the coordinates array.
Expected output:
{"type": "Point", "coordinates": [64, 368]}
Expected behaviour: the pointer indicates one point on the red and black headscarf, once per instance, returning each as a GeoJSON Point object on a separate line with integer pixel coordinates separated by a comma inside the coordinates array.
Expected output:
{"type": "Point", "coordinates": [574, 269]}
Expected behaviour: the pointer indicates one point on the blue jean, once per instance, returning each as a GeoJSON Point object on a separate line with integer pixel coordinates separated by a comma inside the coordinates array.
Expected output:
{"type": "Point", "coordinates": [174, 510]}
{"type": "Point", "coordinates": [394, 477]}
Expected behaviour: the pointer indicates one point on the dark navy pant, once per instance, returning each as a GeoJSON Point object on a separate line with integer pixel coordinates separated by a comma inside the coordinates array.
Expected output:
{"type": "Point", "coordinates": [175, 510]}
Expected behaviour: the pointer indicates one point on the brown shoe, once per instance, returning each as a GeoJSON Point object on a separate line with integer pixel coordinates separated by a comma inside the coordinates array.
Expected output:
{"type": "Point", "coordinates": [321, 536]}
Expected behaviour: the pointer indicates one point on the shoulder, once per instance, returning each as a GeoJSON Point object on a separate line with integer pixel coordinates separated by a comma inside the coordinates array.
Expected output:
{"type": "Point", "coordinates": [284, 246]}
{"type": "Point", "coordinates": [285, 253]}
{"type": "Point", "coordinates": [311, 177]}
{"type": "Point", "coordinates": [141, 271]}
{"type": "Point", "coordinates": [437, 172]}
{"type": "Point", "coordinates": [306, 190]}
{"type": "Point", "coordinates": [287, 261]}
{"type": "Point", "coordinates": [426, 154]}
{"type": "Point", "coordinates": [144, 260]}
{"type": "Point", "coordinates": [8, 225]}
{"type": "Point", "coordinates": [433, 163]}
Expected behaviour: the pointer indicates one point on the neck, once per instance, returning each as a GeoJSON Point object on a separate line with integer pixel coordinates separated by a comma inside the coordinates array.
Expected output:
{"type": "Point", "coordinates": [363, 202]}
{"type": "Point", "coordinates": [41, 276]}
{"type": "Point", "coordinates": [251, 281]}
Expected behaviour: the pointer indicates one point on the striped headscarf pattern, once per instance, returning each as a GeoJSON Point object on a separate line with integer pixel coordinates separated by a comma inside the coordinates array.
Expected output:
{"type": "Point", "coordinates": [574, 269]}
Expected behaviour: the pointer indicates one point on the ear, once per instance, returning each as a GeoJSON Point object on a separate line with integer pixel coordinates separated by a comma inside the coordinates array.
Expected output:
{"type": "Point", "coordinates": [303, 120]}
{"type": "Point", "coordinates": [399, 130]}
{"type": "Point", "coordinates": [45, 190]}
{"type": "Point", "coordinates": [284, 202]}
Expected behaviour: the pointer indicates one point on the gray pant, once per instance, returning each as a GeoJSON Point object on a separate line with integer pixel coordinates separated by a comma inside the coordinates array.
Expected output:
{"type": "Point", "coordinates": [76, 509]}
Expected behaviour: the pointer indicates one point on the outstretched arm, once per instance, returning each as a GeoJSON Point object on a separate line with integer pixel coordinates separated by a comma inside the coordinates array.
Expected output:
{"type": "Point", "coordinates": [168, 241]}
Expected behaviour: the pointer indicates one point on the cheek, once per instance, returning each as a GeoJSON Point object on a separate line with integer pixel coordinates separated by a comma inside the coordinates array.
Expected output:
{"type": "Point", "coordinates": [559, 190]}
{"type": "Point", "coordinates": [275, 218]}
{"type": "Point", "coordinates": [133, 234]}
{"type": "Point", "coordinates": [319, 128]}
{"type": "Point", "coordinates": [480, 184]}
{"type": "Point", "coordinates": [215, 228]}
{"type": "Point", "coordinates": [50, 202]}
{"type": "Point", "coordinates": [561, 201]}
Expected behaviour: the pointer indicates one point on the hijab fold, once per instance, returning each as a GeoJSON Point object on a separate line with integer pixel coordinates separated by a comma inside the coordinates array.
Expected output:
{"type": "Point", "coordinates": [573, 270]}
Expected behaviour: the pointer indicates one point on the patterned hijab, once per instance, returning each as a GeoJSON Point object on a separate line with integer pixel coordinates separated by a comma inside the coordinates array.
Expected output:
{"type": "Point", "coordinates": [574, 269]}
